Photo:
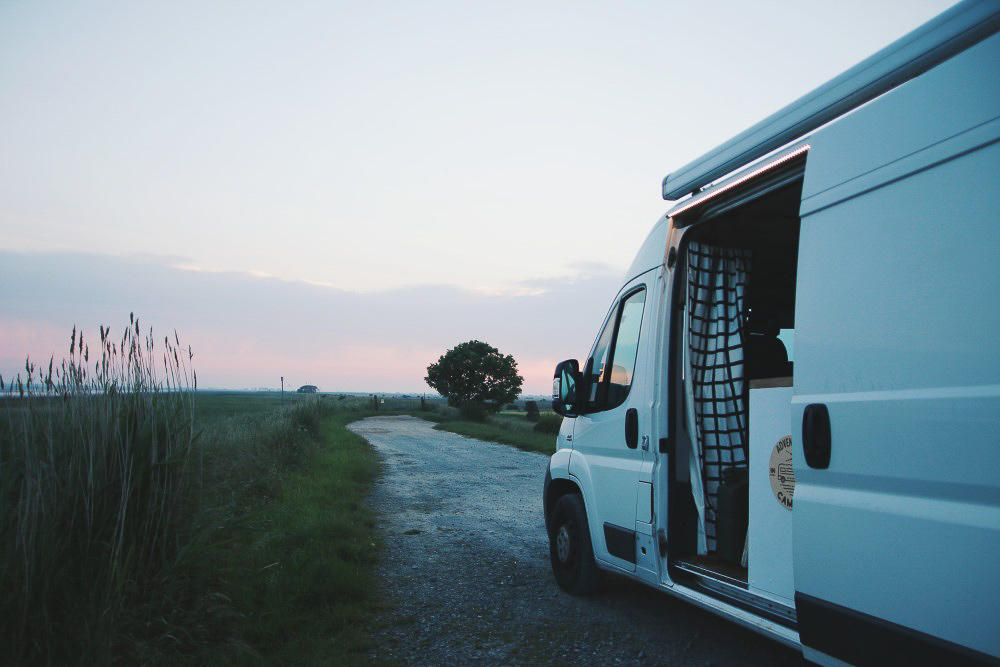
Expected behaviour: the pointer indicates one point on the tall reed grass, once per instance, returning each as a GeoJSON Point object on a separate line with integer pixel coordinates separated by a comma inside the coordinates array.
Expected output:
{"type": "Point", "coordinates": [96, 496]}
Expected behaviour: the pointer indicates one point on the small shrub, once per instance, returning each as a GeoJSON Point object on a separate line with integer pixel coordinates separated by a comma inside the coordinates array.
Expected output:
{"type": "Point", "coordinates": [532, 409]}
{"type": "Point", "coordinates": [548, 424]}
{"type": "Point", "coordinates": [473, 411]}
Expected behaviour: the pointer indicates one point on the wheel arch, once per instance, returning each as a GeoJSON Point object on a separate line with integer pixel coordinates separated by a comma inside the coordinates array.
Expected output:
{"type": "Point", "coordinates": [556, 489]}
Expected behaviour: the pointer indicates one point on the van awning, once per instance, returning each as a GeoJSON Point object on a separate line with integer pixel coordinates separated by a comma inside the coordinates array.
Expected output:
{"type": "Point", "coordinates": [949, 33]}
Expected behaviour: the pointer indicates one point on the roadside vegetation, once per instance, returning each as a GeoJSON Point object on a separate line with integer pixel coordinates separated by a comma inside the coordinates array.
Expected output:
{"type": "Point", "coordinates": [478, 381]}
{"type": "Point", "coordinates": [96, 473]}
{"type": "Point", "coordinates": [146, 523]}
{"type": "Point", "coordinates": [476, 378]}
{"type": "Point", "coordinates": [297, 571]}
{"type": "Point", "coordinates": [510, 427]}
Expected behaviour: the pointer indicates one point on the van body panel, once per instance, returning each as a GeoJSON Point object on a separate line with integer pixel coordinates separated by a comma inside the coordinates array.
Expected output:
{"type": "Point", "coordinates": [858, 145]}
{"type": "Point", "coordinates": [884, 304]}
{"type": "Point", "coordinates": [651, 253]}
{"type": "Point", "coordinates": [896, 334]}
{"type": "Point", "coordinates": [559, 462]}
{"type": "Point", "coordinates": [603, 464]}
{"type": "Point", "coordinates": [564, 440]}
{"type": "Point", "coordinates": [601, 459]}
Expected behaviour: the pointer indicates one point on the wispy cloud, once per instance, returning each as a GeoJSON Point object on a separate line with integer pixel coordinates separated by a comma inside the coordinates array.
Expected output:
{"type": "Point", "coordinates": [248, 330]}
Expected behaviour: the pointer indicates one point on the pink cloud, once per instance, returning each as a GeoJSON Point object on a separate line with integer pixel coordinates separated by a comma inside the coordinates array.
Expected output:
{"type": "Point", "coordinates": [248, 332]}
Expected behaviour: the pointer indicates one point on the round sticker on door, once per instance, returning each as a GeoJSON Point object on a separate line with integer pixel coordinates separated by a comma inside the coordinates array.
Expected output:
{"type": "Point", "coordinates": [781, 472]}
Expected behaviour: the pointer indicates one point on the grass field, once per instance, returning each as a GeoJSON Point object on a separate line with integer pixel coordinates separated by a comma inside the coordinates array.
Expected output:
{"type": "Point", "coordinates": [146, 523]}
{"type": "Point", "coordinates": [209, 405]}
{"type": "Point", "coordinates": [506, 427]}
{"type": "Point", "coordinates": [300, 581]}
{"type": "Point", "coordinates": [212, 404]}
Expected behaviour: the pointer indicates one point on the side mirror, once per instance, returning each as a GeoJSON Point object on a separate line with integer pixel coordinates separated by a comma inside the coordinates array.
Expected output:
{"type": "Point", "coordinates": [564, 383]}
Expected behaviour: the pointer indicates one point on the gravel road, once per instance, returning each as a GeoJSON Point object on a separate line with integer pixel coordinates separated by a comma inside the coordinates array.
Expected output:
{"type": "Point", "coordinates": [465, 574]}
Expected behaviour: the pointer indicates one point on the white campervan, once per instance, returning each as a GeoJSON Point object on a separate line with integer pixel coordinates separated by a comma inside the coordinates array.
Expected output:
{"type": "Point", "coordinates": [791, 414]}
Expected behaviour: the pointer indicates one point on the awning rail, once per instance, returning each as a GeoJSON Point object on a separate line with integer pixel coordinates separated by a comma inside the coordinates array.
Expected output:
{"type": "Point", "coordinates": [937, 40]}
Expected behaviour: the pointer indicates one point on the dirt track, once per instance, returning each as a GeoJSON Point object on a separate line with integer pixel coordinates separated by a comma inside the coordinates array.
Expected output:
{"type": "Point", "coordinates": [466, 578]}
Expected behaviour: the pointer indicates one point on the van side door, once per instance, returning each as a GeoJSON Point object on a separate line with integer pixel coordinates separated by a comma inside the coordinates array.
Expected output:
{"type": "Point", "coordinates": [606, 456]}
{"type": "Point", "coordinates": [897, 376]}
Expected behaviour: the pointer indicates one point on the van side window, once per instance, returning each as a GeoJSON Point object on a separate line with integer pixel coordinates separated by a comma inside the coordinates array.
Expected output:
{"type": "Point", "coordinates": [598, 359]}
{"type": "Point", "coordinates": [612, 365]}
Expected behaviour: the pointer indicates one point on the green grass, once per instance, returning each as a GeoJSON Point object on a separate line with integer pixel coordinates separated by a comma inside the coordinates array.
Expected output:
{"type": "Point", "coordinates": [508, 427]}
{"type": "Point", "coordinates": [503, 428]}
{"type": "Point", "coordinates": [96, 480]}
{"type": "Point", "coordinates": [302, 582]}
{"type": "Point", "coordinates": [142, 522]}
{"type": "Point", "coordinates": [211, 405]}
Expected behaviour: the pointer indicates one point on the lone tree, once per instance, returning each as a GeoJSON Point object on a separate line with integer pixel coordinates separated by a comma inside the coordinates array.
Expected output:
{"type": "Point", "coordinates": [475, 378]}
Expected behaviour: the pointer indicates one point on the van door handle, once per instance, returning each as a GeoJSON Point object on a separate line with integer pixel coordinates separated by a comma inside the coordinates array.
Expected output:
{"type": "Point", "coordinates": [632, 428]}
{"type": "Point", "coordinates": [816, 436]}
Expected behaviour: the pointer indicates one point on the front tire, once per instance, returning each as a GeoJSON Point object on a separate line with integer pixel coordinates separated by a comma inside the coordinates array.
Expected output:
{"type": "Point", "coordinates": [570, 548]}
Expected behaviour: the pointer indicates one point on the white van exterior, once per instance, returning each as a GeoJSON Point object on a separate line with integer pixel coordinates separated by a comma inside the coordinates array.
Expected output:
{"type": "Point", "coordinates": [791, 414]}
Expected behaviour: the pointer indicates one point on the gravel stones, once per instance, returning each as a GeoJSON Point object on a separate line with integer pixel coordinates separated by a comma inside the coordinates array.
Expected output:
{"type": "Point", "coordinates": [465, 574]}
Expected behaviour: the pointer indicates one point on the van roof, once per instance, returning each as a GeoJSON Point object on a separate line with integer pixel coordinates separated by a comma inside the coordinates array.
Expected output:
{"type": "Point", "coordinates": [937, 40]}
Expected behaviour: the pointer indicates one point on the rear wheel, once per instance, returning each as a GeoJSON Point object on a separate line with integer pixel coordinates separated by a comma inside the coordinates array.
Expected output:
{"type": "Point", "coordinates": [570, 548]}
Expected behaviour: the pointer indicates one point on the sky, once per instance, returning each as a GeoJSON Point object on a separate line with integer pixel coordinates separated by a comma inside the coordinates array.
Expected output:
{"type": "Point", "coordinates": [337, 193]}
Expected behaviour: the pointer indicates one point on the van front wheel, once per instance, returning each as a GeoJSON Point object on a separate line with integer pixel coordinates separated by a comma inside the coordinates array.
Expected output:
{"type": "Point", "coordinates": [570, 548]}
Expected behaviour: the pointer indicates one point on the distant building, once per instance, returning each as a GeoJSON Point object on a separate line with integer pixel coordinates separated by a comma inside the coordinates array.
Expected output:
{"type": "Point", "coordinates": [306, 389]}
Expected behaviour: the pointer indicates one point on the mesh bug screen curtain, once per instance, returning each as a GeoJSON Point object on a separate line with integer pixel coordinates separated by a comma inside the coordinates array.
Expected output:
{"type": "Point", "coordinates": [714, 374]}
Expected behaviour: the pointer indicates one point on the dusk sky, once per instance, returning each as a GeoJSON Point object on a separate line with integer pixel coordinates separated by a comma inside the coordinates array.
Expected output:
{"type": "Point", "coordinates": [339, 192]}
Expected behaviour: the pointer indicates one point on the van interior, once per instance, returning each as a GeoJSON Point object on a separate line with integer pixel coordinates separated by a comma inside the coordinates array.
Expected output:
{"type": "Point", "coordinates": [763, 227]}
